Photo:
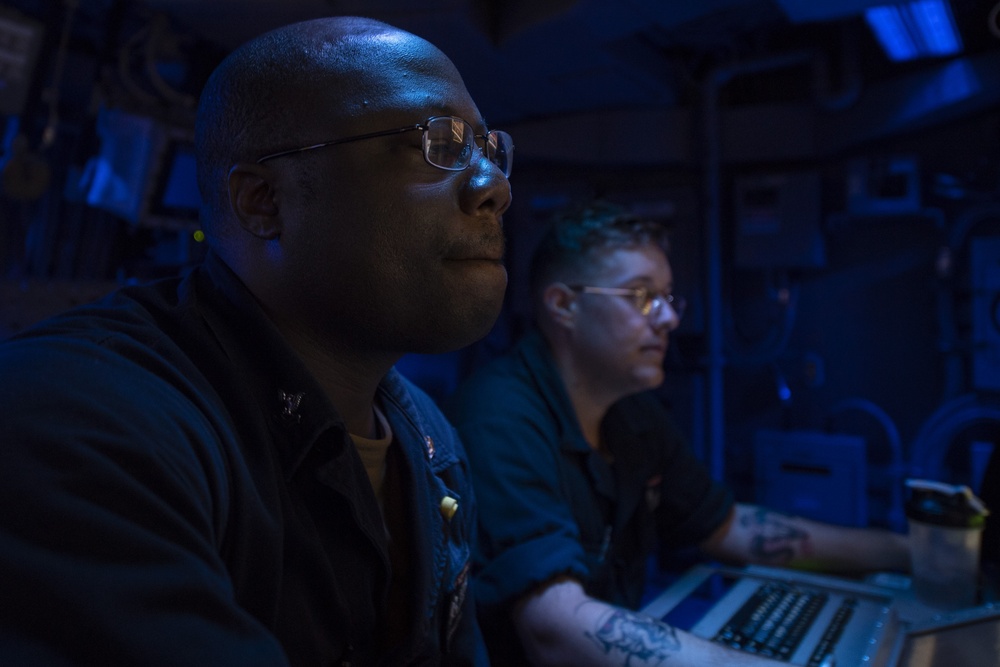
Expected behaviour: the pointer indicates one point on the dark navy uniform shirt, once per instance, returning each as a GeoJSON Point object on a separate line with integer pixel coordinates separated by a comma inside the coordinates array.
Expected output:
{"type": "Point", "coordinates": [550, 505]}
{"type": "Point", "coordinates": [176, 489]}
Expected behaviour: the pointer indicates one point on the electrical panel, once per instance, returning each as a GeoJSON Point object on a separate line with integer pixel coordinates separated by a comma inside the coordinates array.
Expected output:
{"type": "Point", "coordinates": [884, 186]}
{"type": "Point", "coordinates": [778, 221]}
{"type": "Point", "coordinates": [817, 475]}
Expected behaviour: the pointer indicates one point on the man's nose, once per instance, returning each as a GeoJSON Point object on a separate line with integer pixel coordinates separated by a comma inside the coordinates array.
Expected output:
{"type": "Point", "coordinates": [667, 317]}
{"type": "Point", "coordinates": [486, 188]}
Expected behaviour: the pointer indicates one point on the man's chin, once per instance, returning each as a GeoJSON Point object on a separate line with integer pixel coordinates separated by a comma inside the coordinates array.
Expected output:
{"type": "Point", "coordinates": [459, 329]}
{"type": "Point", "coordinates": [651, 378]}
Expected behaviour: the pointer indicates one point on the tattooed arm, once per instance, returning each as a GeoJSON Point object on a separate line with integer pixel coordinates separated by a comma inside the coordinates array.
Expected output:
{"type": "Point", "coordinates": [561, 625]}
{"type": "Point", "coordinates": [755, 534]}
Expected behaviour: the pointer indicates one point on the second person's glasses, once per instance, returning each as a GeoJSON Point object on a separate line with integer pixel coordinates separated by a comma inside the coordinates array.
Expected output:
{"type": "Point", "coordinates": [644, 300]}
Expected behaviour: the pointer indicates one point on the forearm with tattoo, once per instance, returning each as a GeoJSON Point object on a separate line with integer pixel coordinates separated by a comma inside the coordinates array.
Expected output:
{"type": "Point", "coordinates": [634, 636]}
{"type": "Point", "coordinates": [774, 538]}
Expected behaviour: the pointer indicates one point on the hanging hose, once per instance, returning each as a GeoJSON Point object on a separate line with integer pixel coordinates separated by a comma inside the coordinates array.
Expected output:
{"type": "Point", "coordinates": [896, 469]}
{"type": "Point", "coordinates": [936, 436]}
{"type": "Point", "coordinates": [52, 93]}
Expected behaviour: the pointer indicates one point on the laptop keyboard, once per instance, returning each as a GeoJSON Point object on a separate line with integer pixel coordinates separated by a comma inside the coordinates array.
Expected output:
{"type": "Point", "coordinates": [773, 621]}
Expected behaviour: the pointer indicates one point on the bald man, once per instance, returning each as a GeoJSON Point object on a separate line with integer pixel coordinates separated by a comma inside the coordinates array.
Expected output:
{"type": "Point", "coordinates": [225, 469]}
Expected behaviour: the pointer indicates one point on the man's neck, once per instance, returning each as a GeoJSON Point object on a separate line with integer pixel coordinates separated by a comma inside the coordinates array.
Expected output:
{"type": "Point", "coordinates": [349, 380]}
{"type": "Point", "coordinates": [586, 394]}
{"type": "Point", "coordinates": [355, 405]}
{"type": "Point", "coordinates": [589, 415]}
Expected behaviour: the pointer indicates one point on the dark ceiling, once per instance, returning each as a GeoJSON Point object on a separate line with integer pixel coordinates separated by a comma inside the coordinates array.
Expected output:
{"type": "Point", "coordinates": [533, 64]}
{"type": "Point", "coordinates": [600, 81]}
{"type": "Point", "coordinates": [536, 58]}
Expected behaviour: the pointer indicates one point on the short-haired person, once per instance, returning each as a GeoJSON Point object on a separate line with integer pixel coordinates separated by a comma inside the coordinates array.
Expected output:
{"type": "Point", "coordinates": [225, 469]}
{"type": "Point", "coordinates": [580, 473]}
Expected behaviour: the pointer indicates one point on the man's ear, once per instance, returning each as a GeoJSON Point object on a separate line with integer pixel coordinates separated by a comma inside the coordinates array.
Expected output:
{"type": "Point", "coordinates": [252, 199]}
{"type": "Point", "coordinates": [559, 302]}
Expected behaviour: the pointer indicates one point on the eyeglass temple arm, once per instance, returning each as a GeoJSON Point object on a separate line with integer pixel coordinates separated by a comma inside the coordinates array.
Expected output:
{"type": "Point", "coordinates": [346, 140]}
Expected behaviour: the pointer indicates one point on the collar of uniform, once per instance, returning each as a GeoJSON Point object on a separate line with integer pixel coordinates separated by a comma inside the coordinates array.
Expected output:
{"type": "Point", "coordinates": [399, 397]}
{"type": "Point", "coordinates": [534, 350]}
{"type": "Point", "coordinates": [297, 409]}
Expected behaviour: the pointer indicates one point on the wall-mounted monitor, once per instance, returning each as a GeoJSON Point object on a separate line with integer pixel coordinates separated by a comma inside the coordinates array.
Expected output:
{"type": "Point", "coordinates": [144, 172]}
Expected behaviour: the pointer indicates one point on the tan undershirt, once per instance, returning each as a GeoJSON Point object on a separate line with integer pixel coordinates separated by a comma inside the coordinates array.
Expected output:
{"type": "Point", "coordinates": [373, 453]}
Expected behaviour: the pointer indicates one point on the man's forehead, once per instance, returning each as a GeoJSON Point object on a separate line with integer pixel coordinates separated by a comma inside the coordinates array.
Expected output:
{"type": "Point", "coordinates": [385, 58]}
{"type": "Point", "coordinates": [626, 262]}
{"type": "Point", "coordinates": [396, 99]}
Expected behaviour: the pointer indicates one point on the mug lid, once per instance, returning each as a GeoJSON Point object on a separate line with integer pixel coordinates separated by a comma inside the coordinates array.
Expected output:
{"type": "Point", "coordinates": [940, 504]}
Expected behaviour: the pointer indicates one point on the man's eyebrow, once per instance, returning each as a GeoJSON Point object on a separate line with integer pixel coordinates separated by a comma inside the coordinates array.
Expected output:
{"type": "Point", "coordinates": [645, 276]}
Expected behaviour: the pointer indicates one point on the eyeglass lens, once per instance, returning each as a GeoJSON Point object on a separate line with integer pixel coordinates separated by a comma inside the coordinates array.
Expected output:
{"type": "Point", "coordinates": [450, 142]}
{"type": "Point", "coordinates": [652, 304]}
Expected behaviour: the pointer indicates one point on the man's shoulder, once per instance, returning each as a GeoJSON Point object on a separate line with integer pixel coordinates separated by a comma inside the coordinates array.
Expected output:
{"type": "Point", "coordinates": [125, 315]}
{"type": "Point", "coordinates": [129, 372]}
{"type": "Point", "coordinates": [499, 385]}
{"type": "Point", "coordinates": [122, 350]}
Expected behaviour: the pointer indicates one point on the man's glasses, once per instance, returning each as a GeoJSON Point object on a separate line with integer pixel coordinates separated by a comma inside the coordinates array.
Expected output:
{"type": "Point", "coordinates": [449, 143]}
{"type": "Point", "coordinates": [644, 300]}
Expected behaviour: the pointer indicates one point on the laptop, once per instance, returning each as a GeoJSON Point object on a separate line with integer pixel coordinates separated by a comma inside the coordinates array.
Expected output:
{"type": "Point", "coordinates": [819, 620]}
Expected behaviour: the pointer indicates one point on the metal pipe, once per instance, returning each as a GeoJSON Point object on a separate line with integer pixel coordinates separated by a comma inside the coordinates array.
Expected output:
{"type": "Point", "coordinates": [715, 359]}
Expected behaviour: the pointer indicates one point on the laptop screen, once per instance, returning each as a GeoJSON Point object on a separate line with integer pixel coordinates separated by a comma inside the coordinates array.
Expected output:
{"type": "Point", "coordinates": [699, 601]}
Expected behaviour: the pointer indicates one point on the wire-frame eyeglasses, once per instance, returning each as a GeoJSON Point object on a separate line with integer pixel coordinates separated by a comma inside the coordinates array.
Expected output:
{"type": "Point", "coordinates": [448, 143]}
{"type": "Point", "coordinates": [644, 300]}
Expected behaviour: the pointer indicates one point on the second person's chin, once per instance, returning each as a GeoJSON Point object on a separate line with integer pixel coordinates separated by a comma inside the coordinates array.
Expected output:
{"type": "Point", "coordinates": [649, 378]}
